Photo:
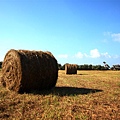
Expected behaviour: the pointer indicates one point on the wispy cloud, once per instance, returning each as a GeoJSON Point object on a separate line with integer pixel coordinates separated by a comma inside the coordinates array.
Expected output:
{"type": "Point", "coordinates": [105, 41]}
{"type": "Point", "coordinates": [107, 33]}
{"type": "Point", "coordinates": [93, 54]}
{"type": "Point", "coordinates": [116, 37]}
{"type": "Point", "coordinates": [116, 56]}
{"type": "Point", "coordinates": [106, 55]}
{"type": "Point", "coordinates": [113, 36]}
{"type": "Point", "coordinates": [79, 55]}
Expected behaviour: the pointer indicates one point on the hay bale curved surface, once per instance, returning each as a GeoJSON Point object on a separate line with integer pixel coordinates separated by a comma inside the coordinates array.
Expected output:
{"type": "Point", "coordinates": [24, 71]}
{"type": "Point", "coordinates": [70, 69]}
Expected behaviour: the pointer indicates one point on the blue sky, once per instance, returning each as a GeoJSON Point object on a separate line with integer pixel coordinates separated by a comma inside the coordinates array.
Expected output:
{"type": "Point", "coordinates": [75, 31]}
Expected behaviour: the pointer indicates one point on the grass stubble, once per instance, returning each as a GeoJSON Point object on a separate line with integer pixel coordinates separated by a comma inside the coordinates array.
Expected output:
{"type": "Point", "coordinates": [89, 95]}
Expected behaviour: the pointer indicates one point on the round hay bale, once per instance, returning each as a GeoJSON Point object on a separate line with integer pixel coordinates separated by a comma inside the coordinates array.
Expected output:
{"type": "Point", "coordinates": [24, 71]}
{"type": "Point", "coordinates": [70, 68]}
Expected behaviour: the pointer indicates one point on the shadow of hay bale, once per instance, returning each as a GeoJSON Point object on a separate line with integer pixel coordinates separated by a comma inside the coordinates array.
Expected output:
{"type": "Point", "coordinates": [67, 91]}
{"type": "Point", "coordinates": [82, 74]}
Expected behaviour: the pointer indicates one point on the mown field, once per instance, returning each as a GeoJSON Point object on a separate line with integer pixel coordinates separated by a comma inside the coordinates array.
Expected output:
{"type": "Point", "coordinates": [89, 95]}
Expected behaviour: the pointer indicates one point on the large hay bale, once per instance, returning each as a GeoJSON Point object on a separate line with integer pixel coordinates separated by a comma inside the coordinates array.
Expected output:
{"type": "Point", "coordinates": [24, 71]}
{"type": "Point", "coordinates": [70, 68]}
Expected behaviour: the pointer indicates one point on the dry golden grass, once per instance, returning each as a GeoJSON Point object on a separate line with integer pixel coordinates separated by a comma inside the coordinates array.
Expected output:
{"type": "Point", "coordinates": [89, 95]}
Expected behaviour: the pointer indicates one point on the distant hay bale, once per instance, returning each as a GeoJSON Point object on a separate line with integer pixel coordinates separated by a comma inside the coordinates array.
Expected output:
{"type": "Point", "coordinates": [71, 69]}
{"type": "Point", "coordinates": [24, 71]}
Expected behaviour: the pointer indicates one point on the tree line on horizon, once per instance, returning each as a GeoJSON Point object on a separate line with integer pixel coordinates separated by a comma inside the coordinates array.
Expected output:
{"type": "Point", "coordinates": [92, 67]}
{"type": "Point", "coordinates": [88, 67]}
{"type": "Point", "coordinates": [85, 67]}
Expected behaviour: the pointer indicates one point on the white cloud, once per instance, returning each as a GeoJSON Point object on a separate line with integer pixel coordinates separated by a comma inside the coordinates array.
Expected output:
{"type": "Point", "coordinates": [106, 55]}
{"type": "Point", "coordinates": [116, 37]}
{"type": "Point", "coordinates": [63, 56]}
{"type": "Point", "coordinates": [79, 55]}
{"type": "Point", "coordinates": [94, 53]}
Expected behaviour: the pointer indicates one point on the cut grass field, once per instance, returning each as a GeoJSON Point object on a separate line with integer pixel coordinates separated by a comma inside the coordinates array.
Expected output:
{"type": "Point", "coordinates": [89, 95]}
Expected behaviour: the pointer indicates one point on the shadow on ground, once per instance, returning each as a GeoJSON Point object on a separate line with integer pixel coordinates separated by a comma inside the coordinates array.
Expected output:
{"type": "Point", "coordinates": [67, 91]}
{"type": "Point", "coordinates": [82, 74]}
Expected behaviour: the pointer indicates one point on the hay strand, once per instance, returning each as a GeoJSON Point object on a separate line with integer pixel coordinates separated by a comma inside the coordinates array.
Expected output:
{"type": "Point", "coordinates": [24, 71]}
